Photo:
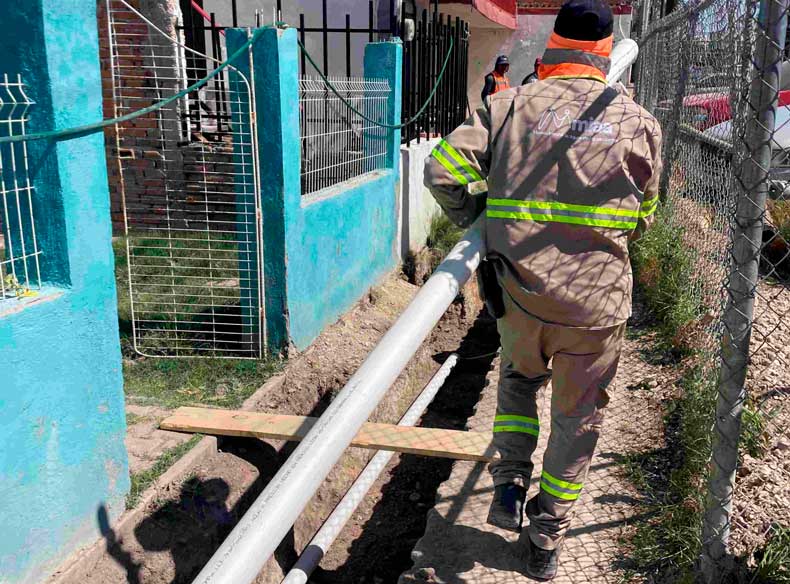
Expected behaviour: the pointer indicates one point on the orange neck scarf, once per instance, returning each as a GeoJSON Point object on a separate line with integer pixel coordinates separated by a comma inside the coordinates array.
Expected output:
{"type": "Point", "coordinates": [602, 48]}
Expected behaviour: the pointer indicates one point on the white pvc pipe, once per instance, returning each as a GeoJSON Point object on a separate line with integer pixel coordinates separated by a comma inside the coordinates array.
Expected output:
{"type": "Point", "coordinates": [255, 538]}
{"type": "Point", "coordinates": [623, 56]}
{"type": "Point", "coordinates": [315, 550]}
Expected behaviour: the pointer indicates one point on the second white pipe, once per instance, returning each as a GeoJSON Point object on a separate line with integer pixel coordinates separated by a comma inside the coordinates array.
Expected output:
{"type": "Point", "coordinates": [314, 552]}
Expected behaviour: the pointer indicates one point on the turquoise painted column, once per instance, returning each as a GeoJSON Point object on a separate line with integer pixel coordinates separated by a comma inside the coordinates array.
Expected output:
{"type": "Point", "coordinates": [63, 464]}
{"type": "Point", "coordinates": [275, 69]}
{"type": "Point", "coordinates": [385, 61]}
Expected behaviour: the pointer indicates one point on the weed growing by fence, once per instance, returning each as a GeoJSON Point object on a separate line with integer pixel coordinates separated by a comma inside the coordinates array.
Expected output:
{"type": "Point", "coordinates": [780, 213]}
{"type": "Point", "coordinates": [664, 270]}
{"type": "Point", "coordinates": [668, 544]}
{"type": "Point", "coordinates": [442, 237]}
{"type": "Point", "coordinates": [773, 561]}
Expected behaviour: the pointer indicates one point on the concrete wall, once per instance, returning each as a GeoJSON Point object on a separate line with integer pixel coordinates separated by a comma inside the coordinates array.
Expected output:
{"type": "Point", "coordinates": [323, 251]}
{"type": "Point", "coordinates": [522, 46]}
{"type": "Point", "coordinates": [61, 400]}
{"type": "Point", "coordinates": [417, 207]}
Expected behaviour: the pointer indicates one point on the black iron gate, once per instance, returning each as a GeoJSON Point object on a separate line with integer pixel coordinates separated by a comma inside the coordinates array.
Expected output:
{"type": "Point", "coordinates": [423, 58]}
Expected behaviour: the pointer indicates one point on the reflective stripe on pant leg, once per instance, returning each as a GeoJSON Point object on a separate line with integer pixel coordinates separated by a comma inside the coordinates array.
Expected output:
{"type": "Point", "coordinates": [565, 490]}
{"type": "Point", "coordinates": [516, 423]}
{"type": "Point", "coordinates": [578, 398]}
{"type": "Point", "coordinates": [515, 435]}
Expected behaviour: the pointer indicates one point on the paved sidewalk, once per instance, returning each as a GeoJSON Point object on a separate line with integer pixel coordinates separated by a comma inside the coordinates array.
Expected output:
{"type": "Point", "coordinates": [458, 545]}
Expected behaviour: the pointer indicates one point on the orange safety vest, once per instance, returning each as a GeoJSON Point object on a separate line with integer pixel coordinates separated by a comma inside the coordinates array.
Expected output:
{"type": "Point", "coordinates": [574, 58]}
{"type": "Point", "coordinates": [501, 83]}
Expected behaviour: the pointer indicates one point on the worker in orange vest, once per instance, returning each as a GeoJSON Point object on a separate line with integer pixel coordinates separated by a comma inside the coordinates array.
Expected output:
{"type": "Point", "coordinates": [497, 80]}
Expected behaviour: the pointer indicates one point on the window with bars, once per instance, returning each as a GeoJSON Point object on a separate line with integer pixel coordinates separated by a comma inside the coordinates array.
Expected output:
{"type": "Point", "coordinates": [20, 273]}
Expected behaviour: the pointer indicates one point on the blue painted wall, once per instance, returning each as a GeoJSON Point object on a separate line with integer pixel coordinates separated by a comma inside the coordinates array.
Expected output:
{"type": "Point", "coordinates": [324, 251]}
{"type": "Point", "coordinates": [61, 399]}
{"type": "Point", "coordinates": [345, 241]}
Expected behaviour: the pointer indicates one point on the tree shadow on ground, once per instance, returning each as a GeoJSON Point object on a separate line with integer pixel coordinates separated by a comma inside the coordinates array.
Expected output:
{"type": "Point", "coordinates": [192, 526]}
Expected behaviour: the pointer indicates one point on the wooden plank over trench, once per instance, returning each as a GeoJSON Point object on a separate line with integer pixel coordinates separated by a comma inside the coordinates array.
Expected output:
{"type": "Point", "coordinates": [436, 442]}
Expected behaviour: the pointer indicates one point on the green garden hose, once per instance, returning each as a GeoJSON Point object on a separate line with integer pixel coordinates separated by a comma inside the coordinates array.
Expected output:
{"type": "Point", "coordinates": [411, 120]}
{"type": "Point", "coordinates": [95, 127]}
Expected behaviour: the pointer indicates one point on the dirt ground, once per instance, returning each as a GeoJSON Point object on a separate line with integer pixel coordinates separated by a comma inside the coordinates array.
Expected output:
{"type": "Point", "coordinates": [459, 546]}
{"type": "Point", "coordinates": [762, 493]}
{"type": "Point", "coordinates": [183, 527]}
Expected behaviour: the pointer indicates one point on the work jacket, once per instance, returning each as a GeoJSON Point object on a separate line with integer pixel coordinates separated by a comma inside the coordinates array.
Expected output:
{"type": "Point", "coordinates": [572, 170]}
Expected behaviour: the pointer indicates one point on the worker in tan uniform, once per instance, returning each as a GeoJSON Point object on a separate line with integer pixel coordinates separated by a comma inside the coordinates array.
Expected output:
{"type": "Point", "coordinates": [573, 170]}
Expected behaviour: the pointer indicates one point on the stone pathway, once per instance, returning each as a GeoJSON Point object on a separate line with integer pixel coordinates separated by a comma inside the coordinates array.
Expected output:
{"type": "Point", "coordinates": [459, 547]}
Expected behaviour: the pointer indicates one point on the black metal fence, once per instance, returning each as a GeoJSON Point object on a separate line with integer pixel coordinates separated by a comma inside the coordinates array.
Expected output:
{"type": "Point", "coordinates": [423, 58]}
{"type": "Point", "coordinates": [422, 63]}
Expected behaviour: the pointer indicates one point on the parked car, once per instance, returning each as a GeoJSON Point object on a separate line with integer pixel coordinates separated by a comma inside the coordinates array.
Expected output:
{"type": "Point", "coordinates": [780, 159]}
{"type": "Point", "coordinates": [781, 138]}
{"type": "Point", "coordinates": [705, 110]}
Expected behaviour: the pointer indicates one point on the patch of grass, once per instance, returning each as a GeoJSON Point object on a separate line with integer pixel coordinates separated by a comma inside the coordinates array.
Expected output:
{"type": "Point", "coordinates": [773, 561]}
{"type": "Point", "coordinates": [780, 213]}
{"type": "Point", "coordinates": [142, 480]}
{"type": "Point", "coordinates": [442, 236]}
{"type": "Point", "coordinates": [668, 545]}
{"type": "Point", "coordinates": [171, 383]}
{"type": "Point", "coordinates": [664, 271]}
{"type": "Point", "coordinates": [187, 290]}
{"type": "Point", "coordinates": [132, 419]}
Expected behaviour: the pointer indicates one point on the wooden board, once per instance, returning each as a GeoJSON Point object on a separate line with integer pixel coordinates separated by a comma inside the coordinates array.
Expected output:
{"type": "Point", "coordinates": [425, 441]}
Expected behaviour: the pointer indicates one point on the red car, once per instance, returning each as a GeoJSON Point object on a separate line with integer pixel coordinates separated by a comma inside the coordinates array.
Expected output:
{"type": "Point", "coordinates": [709, 109]}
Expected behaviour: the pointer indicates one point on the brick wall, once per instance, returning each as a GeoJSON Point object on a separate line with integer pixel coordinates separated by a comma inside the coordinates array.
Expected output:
{"type": "Point", "coordinates": [140, 169]}
{"type": "Point", "coordinates": [167, 181]}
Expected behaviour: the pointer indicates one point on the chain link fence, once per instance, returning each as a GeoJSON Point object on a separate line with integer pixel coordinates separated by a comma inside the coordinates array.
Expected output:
{"type": "Point", "coordinates": [717, 76]}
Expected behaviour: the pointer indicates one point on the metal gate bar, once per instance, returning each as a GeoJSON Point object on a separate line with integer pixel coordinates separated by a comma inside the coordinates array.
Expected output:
{"type": "Point", "coordinates": [189, 185]}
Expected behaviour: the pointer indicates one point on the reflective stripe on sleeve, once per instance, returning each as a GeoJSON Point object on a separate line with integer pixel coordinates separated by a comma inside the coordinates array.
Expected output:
{"type": "Point", "coordinates": [648, 207]}
{"type": "Point", "coordinates": [514, 423]}
{"type": "Point", "coordinates": [552, 211]}
{"type": "Point", "coordinates": [454, 162]}
{"type": "Point", "coordinates": [561, 489]}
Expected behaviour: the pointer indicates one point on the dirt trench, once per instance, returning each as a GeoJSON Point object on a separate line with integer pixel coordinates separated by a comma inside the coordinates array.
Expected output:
{"type": "Point", "coordinates": [182, 528]}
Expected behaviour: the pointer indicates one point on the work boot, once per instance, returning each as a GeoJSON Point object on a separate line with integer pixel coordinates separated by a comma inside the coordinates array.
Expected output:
{"type": "Point", "coordinates": [507, 507]}
{"type": "Point", "coordinates": [541, 564]}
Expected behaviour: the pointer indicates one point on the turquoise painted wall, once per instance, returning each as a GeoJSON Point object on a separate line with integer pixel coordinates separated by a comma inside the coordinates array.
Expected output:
{"type": "Point", "coordinates": [322, 252]}
{"type": "Point", "coordinates": [341, 242]}
{"type": "Point", "coordinates": [61, 399]}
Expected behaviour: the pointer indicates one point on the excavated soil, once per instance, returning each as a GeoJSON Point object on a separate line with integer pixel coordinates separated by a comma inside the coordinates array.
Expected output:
{"type": "Point", "coordinates": [180, 530]}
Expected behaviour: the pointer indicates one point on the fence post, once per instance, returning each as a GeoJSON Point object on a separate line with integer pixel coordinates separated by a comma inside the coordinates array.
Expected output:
{"type": "Point", "coordinates": [385, 61]}
{"type": "Point", "coordinates": [275, 72]}
{"type": "Point", "coordinates": [752, 182]}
